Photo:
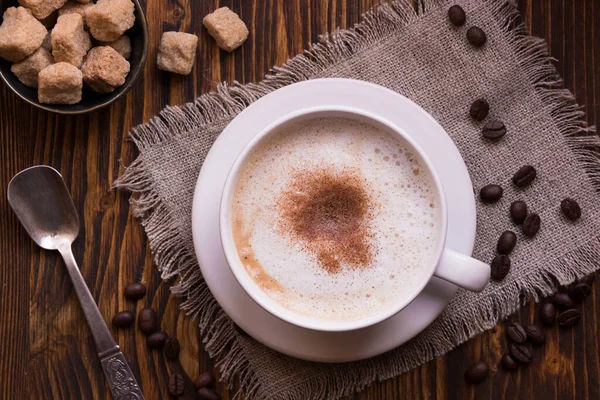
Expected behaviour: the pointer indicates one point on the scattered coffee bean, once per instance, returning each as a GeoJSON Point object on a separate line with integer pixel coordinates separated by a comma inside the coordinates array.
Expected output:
{"type": "Point", "coordinates": [506, 242]}
{"type": "Point", "coordinates": [508, 362]}
{"type": "Point", "coordinates": [456, 15]}
{"type": "Point", "coordinates": [571, 209]}
{"type": "Point", "coordinates": [524, 176]}
{"type": "Point", "coordinates": [521, 353]}
{"type": "Point", "coordinates": [569, 318]}
{"type": "Point", "coordinates": [156, 340]}
{"type": "Point", "coordinates": [516, 333]}
{"type": "Point", "coordinates": [477, 372]}
{"type": "Point", "coordinates": [579, 292]}
{"type": "Point", "coordinates": [536, 334]}
{"type": "Point", "coordinates": [479, 109]}
{"type": "Point", "coordinates": [148, 321]}
{"type": "Point", "coordinates": [547, 314]}
{"type": "Point", "coordinates": [562, 301]}
{"type": "Point", "coordinates": [176, 385]}
{"type": "Point", "coordinates": [531, 225]}
{"type": "Point", "coordinates": [493, 130]}
{"type": "Point", "coordinates": [500, 267]}
{"type": "Point", "coordinates": [518, 211]}
{"type": "Point", "coordinates": [476, 36]}
{"type": "Point", "coordinates": [172, 348]}
{"type": "Point", "coordinates": [491, 193]}
{"type": "Point", "coordinates": [135, 291]}
{"type": "Point", "coordinates": [208, 394]}
{"type": "Point", "coordinates": [205, 379]}
{"type": "Point", "coordinates": [123, 319]}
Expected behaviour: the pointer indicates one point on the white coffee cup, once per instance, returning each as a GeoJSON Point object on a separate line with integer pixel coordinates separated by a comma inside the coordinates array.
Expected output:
{"type": "Point", "coordinates": [460, 269]}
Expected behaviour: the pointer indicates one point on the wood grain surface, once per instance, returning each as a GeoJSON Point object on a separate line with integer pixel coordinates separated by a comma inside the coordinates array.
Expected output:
{"type": "Point", "coordinates": [46, 351]}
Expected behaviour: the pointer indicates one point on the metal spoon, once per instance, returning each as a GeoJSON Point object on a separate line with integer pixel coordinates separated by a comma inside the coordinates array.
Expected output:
{"type": "Point", "coordinates": [41, 200]}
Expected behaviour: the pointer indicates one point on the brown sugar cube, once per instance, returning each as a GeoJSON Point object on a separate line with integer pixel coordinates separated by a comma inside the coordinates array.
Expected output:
{"type": "Point", "coordinates": [42, 8]}
{"type": "Point", "coordinates": [20, 34]}
{"type": "Point", "coordinates": [71, 7]}
{"type": "Point", "coordinates": [122, 45]}
{"type": "Point", "coordinates": [226, 28]}
{"type": "Point", "coordinates": [104, 69]}
{"type": "Point", "coordinates": [109, 19]}
{"type": "Point", "coordinates": [60, 83]}
{"type": "Point", "coordinates": [70, 42]}
{"type": "Point", "coordinates": [27, 70]}
{"type": "Point", "coordinates": [177, 52]}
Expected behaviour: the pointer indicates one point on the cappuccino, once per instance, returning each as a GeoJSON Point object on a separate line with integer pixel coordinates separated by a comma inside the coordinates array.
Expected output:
{"type": "Point", "coordinates": [335, 219]}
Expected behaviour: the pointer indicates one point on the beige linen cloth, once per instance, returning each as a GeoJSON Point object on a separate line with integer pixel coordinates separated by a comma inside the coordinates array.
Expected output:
{"type": "Point", "coordinates": [422, 56]}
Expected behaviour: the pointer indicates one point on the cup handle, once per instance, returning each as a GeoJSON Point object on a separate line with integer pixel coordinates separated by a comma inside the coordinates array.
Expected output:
{"type": "Point", "coordinates": [462, 270]}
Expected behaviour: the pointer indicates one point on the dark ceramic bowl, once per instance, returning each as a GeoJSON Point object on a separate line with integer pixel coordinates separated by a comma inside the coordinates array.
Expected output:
{"type": "Point", "coordinates": [90, 100]}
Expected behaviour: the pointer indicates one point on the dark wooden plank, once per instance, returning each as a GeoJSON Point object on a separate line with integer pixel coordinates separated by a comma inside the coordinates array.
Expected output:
{"type": "Point", "coordinates": [47, 351]}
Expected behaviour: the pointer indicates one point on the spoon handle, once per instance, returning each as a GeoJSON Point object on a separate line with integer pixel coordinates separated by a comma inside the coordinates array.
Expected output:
{"type": "Point", "coordinates": [120, 379]}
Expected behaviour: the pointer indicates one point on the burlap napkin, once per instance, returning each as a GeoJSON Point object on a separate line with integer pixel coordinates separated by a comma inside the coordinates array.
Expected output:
{"type": "Point", "coordinates": [420, 55]}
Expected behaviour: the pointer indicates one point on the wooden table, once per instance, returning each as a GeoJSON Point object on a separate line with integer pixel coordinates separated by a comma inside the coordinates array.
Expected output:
{"type": "Point", "coordinates": [45, 347]}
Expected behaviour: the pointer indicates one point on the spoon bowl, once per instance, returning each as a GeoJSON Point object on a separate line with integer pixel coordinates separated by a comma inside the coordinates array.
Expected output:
{"type": "Point", "coordinates": [41, 201]}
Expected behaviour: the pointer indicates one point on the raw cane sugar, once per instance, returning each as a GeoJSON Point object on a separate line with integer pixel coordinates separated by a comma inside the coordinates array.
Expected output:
{"type": "Point", "coordinates": [60, 83]}
{"type": "Point", "coordinates": [70, 42]}
{"type": "Point", "coordinates": [27, 70]}
{"type": "Point", "coordinates": [177, 52]}
{"type": "Point", "coordinates": [104, 69]}
{"type": "Point", "coordinates": [20, 34]}
{"type": "Point", "coordinates": [226, 28]}
{"type": "Point", "coordinates": [109, 19]}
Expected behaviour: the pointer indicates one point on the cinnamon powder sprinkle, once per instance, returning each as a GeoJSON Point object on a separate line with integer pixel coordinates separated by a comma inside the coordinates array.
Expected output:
{"type": "Point", "coordinates": [329, 214]}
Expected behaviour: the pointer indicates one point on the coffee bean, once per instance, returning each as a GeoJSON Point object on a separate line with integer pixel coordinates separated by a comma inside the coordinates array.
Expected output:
{"type": "Point", "coordinates": [569, 318]}
{"type": "Point", "coordinates": [148, 321]}
{"type": "Point", "coordinates": [135, 291]}
{"type": "Point", "coordinates": [493, 130]}
{"type": "Point", "coordinates": [516, 333]}
{"type": "Point", "coordinates": [491, 193]}
{"type": "Point", "coordinates": [123, 319]}
{"type": "Point", "coordinates": [172, 348]}
{"type": "Point", "coordinates": [547, 314]}
{"type": "Point", "coordinates": [477, 372]}
{"type": "Point", "coordinates": [208, 394]}
{"type": "Point", "coordinates": [205, 379]}
{"type": "Point", "coordinates": [176, 385]}
{"type": "Point", "coordinates": [524, 176]}
{"type": "Point", "coordinates": [579, 292]}
{"type": "Point", "coordinates": [521, 353]}
{"type": "Point", "coordinates": [456, 15]}
{"type": "Point", "coordinates": [479, 109]}
{"type": "Point", "coordinates": [156, 340]}
{"type": "Point", "coordinates": [531, 225]}
{"type": "Point", "coordinates": [500, 267]}
{"type": "Point", "coordinates": [506, 242]}
{"type": "Point", "coordinates": [476, 36]}
{"type": "Point", "coordinates": [562, 301]}
{"type": "Point", "coordinates": [571, 209]}
{"type": "Point", "coordinates": [535, 334]}
{"type": "Point", "coordinates": [508, 362]}
{"type": "Point", "coordinates": [518, 211]}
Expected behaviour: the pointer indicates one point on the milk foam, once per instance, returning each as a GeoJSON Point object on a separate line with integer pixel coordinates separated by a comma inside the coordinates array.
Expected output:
{"type": "Point", "coordinates": [405, 218]}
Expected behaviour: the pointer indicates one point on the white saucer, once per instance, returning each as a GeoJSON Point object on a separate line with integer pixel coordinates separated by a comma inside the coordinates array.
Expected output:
{"type": "Point", "coordinates": [280, 335]}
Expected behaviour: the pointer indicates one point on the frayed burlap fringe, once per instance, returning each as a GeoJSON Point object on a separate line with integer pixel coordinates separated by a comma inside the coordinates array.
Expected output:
{"type": "Point", "coordinates": [174, 259]}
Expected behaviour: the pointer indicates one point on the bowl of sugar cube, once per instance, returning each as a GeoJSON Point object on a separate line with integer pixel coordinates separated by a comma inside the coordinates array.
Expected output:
{"type": "Point", "coordinates": [72, 56]}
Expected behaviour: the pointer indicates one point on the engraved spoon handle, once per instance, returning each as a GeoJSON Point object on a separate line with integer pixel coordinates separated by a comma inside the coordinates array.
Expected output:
{"type": "Point", "coordinates": [121, 380]}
